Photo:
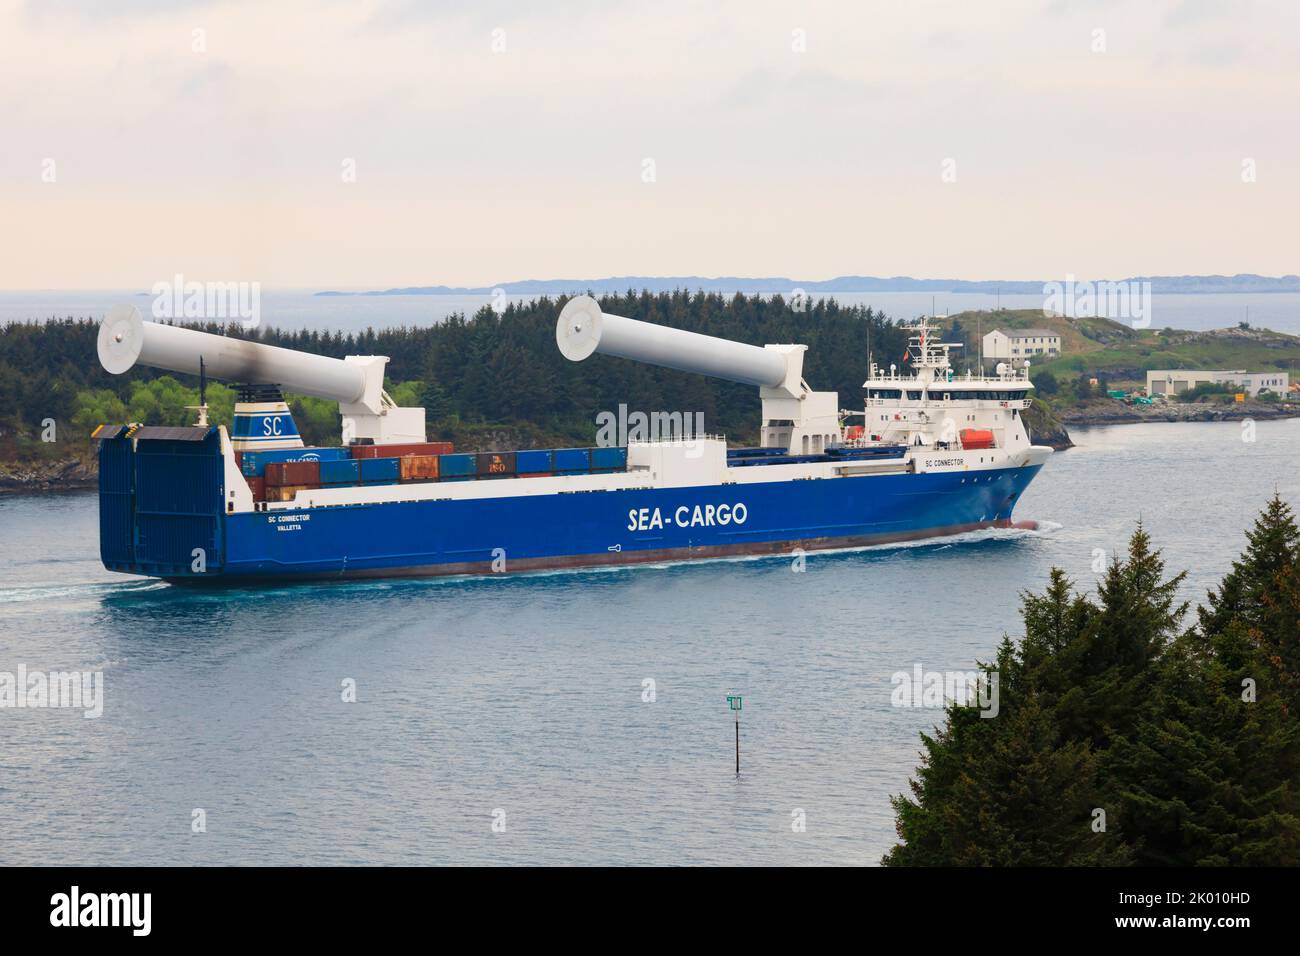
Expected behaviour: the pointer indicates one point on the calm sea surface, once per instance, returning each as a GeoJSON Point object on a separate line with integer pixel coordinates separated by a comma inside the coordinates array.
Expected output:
{"type": "Point", "coordinates": [524, 695]}
{"type": "Point", "coordinates": [295, 309]}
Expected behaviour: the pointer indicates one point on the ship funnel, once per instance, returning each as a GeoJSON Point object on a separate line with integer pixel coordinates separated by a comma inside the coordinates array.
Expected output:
{"type": "Point", "coordinates": [583, 329]}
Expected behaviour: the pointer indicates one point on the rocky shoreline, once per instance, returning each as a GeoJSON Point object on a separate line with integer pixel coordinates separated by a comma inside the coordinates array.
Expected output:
{"type": "Point", "coordinates": [1115, 413]}
{"type": "Point", "coordinates": [66, 474]}
{"type": "Point", "coordinates": [1045, 428]}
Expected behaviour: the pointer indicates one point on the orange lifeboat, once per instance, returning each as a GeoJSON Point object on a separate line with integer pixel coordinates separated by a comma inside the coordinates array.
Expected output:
{"type": "Point", "coordinates": [976, 438]}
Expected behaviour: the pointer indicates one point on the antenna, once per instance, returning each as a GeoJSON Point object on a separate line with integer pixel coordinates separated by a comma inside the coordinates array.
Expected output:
{"type": "Point", "coordinates": [202, 406]}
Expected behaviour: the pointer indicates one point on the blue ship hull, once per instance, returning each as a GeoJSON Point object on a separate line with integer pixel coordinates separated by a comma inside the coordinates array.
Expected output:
{"type": "Point", "coordinates": [578, 530]}
{"type": "Point", "coordinates": [155, 513]}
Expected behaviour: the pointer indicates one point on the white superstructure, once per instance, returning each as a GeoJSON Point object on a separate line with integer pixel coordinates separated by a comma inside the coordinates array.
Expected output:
{"type": "Point", "coordinates": [936, 410]}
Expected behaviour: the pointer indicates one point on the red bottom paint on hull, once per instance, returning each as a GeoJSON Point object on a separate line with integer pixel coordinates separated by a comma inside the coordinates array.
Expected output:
{"type": "Point", "coordinates": [617, 559]}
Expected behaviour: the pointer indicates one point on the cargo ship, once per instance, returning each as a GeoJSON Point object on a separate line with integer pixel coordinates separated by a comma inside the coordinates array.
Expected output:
{"type": "Point", "coordinates": [929, 453]}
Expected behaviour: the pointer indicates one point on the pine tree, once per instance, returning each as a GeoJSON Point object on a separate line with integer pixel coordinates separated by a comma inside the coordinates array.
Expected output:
{"type": "Point", "coordinates": [1022, 788]}
{"type": "Point", "coordinates": [1262, 591]}
{"type": "Point", "coordinates": [1110, 669]}
{"type": "Point", "coordinates": [1273, 545]}
{"type": "Point", "coordinates": [437, 406]}
{"type": "Point", "coordinates": [1210, 777]}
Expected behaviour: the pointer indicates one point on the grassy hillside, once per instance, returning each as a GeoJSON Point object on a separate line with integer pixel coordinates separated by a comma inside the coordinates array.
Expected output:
{"type": "Point", "coordinates": [1122, 354]}
{"type": "Point", "coordinates": [1078, 336]}
{"type": "Point", "coordinates": [1255, 350]}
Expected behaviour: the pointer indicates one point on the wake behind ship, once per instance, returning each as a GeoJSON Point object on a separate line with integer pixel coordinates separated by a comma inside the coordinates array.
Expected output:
{"type": "Point", "coordinates": [934, 454]}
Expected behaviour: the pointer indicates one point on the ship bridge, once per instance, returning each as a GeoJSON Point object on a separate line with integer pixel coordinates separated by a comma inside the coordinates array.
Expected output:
{"type": "Point", "coordinates": [933, 406]}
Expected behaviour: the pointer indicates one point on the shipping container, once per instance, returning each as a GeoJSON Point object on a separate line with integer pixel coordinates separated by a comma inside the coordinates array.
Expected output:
{"type": "Point", "coordinates": [379, 471]}
{"type": "Point", "coordinates": [258, 487]}
{"type": "Point", "coordinates": [346, 472]}
{"type": "Point", "coordinates": [608, 459]}
{"type": "Point", "coordinates": [457, 466]}
{"type": "Point", "coordinates": [536, 474]}
{"type": "Point", "coordinates": [286, 492]}
{"type": "Point", "coordinates": [292, 473]}
{"type": "Point", "coordinates": [402, 450]}
{"type": "Point", "coordinates": [572, 459]}
{"type": "Point", "coordinates": [495, 464]}
{"type": "Point", "coordinates": [253, 463]}
{"type": "Point", "coordinates": [533, 461]}
{"type": "Point", "coordinates": [419, 467]}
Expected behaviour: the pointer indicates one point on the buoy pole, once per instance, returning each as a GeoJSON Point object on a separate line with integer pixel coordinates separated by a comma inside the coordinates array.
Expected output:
{"type": "Point", "coordinates": [734, 701]}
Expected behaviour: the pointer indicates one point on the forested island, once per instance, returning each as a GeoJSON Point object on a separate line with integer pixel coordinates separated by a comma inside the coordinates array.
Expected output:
{"type": "Point", "coordinates": [495, 380]}
{"type": "Point", "coordinates": [487, 381]}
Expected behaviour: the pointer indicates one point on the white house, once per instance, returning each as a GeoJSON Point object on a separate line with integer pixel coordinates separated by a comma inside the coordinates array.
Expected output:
{"type": "Point", "coordinates": [1016, 345]}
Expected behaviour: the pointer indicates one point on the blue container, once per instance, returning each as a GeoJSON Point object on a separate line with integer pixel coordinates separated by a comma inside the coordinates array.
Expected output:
{"type": "Point", "coordinates": [568, 460]}
{"type": "Point", "coordinates": [533, 460]}
{"type": "Point", "coordinates": [457, 466]}
{"type": "Point", "coordinates": [253, 463]}
{"type": "Point", "coordinates": [608, 459]}
{"type": "Point", "coordinates": [756, 453]}
{"type": "Point", "coordinates": [379, 471]}
{"type": "Point", "coordinates": [344, 472]}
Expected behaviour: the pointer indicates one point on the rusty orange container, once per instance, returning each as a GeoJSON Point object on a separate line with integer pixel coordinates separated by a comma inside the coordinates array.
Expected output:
{"type": "Point", "coordinates": [286, 492]}
{"type": "Point", "coordinates": [419, 467]}
{"type": "Point", "coordinates": [257, 486]}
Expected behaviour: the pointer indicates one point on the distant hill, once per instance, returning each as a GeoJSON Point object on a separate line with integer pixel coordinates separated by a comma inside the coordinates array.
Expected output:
{"type": "Point", "coordinates": [1245, 282]}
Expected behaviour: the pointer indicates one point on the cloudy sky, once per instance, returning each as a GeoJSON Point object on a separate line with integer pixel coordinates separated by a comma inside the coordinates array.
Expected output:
{"type": "Point", "coordinates": [312, 143]}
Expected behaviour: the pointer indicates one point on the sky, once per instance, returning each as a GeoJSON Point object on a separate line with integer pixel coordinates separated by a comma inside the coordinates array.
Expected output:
{"type": "Point", "coordinates": [323, 144]}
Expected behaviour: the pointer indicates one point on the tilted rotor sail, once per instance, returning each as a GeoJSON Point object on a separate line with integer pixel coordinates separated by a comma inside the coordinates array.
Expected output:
{"type": "Point", "coordinates": [126, 340]}
{"type": "Point", "coordinates": [583, 329]}
{"type": "Point", "coordinates": [794, 416]}
{"type": "Point", "coordinates": [356, 383]}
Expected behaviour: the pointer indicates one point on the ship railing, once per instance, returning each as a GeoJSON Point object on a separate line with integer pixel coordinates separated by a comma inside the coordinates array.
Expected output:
{"type": "Point", "coordinates": [936, 398]}
{"type": "Point", "coordinates": [679, 439]}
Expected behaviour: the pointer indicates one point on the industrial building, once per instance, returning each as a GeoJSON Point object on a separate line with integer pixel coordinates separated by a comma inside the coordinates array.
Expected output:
{"type": "Point", "coordinates": [1177, 381]}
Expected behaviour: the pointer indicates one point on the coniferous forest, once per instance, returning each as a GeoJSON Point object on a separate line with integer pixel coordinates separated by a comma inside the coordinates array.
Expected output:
{"type": "Point", "coordinates": [491, 368]}
{"type": "Point", "coordinates": [1127, 735]}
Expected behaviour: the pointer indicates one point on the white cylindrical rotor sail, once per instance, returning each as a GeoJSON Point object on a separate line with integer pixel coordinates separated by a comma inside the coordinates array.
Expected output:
{"type": "Point", "coordinates": [583, 329]}
{"type": "Point", "coordinates": [126, 340]}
